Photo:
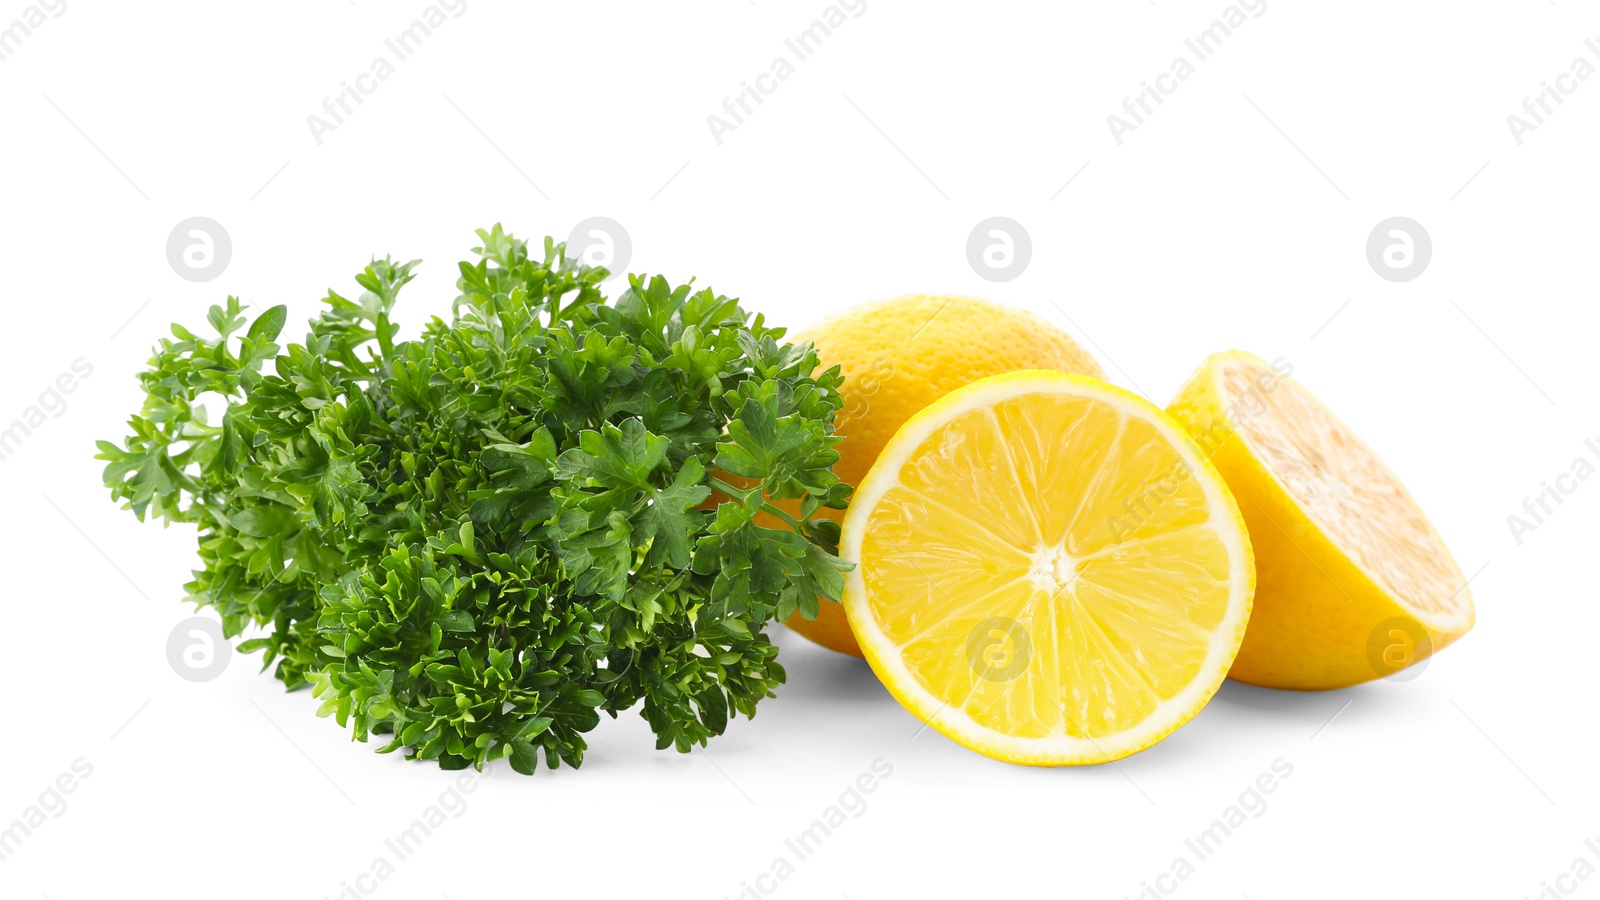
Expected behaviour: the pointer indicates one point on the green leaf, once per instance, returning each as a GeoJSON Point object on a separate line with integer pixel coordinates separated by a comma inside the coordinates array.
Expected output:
{"type": "Point", "coordinates": [524, 759]}
{"type": "Point", "coordinates": [669, 523]}
{"type": "Point", "coordinates": [268, 325]}
{"type": "Point", "coordinates": [456, 621]}
{"type": "Point", "coordinates": [614, 457]}
{"type": "Point", "coordinates": [263, 521]}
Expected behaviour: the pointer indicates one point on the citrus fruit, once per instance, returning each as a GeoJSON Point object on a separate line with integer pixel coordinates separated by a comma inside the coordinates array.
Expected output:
{"type": "Point", "coordinates": [1352, 582]}
{"type": "Point", "coordinates": [1048, 570]}
{"type": "Point", "coordinates": [900, 355]}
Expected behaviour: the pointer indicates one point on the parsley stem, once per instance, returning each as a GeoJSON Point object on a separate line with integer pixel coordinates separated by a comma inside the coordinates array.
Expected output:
{"type": "Point", "coordinates": [385, 338]}
{"type": "Point", "coordinates": [744, 493]}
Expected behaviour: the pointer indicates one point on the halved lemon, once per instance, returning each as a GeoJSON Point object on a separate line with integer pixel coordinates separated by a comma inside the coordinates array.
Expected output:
{"type": "Point", "coordinates": [1049, 570]}
{"type": "Point", "coordinates": [1353, 582]}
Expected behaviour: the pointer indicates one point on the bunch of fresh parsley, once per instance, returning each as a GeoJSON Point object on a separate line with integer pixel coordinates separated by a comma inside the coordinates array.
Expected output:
{"type": "Point", "coordinates": [474, 542]}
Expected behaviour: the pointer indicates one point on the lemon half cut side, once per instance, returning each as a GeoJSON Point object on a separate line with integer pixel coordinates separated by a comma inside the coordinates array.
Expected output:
{"type": "Point", "coordinates": [1354, 583]}
{"type": "Point", "coordinates": [1049, 572]}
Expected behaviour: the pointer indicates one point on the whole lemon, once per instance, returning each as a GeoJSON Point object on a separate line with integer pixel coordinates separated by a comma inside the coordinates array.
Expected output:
{"type": "Point", "coordinates": [900, 355]}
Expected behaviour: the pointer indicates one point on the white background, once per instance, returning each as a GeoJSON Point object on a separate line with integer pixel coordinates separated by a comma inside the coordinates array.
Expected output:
{"type": "Point", "coordinates": [1237, 216]}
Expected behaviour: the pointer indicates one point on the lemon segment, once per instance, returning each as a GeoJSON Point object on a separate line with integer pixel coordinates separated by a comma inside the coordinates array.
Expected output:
{"type": "Point", "coordinates": [1049, 572]}
{"type": "Point", "coordinates": [1353, 582]}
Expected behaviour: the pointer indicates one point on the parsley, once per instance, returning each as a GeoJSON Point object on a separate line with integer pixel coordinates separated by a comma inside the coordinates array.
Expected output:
{"type": "Point", "coordinates": [474, 543]}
